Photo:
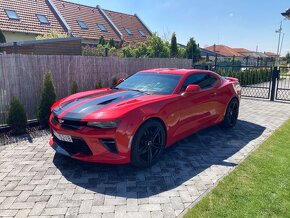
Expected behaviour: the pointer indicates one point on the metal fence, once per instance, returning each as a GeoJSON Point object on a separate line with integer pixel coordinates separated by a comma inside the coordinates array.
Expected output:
{"type": "Point", "coordinates": [22, 75]}
{"type": "Point", "coordinates": [258, 81]}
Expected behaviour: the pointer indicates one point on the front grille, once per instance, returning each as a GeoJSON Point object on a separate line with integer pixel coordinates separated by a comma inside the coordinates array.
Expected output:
{"type": "Point", "coordinates": [78, 146]}
{"type": "Point", "coordinates": [68, 124]}
{"type": "Point", "coordinates": [110, 145]}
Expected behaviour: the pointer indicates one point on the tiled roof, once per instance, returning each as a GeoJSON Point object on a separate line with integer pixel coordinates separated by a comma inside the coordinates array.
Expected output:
{"type": "Point", "coordinates": [132, 22]}
{"type": "Point", "coordinates": [270, 54]}
{"type": "Point", "coordinates": [28, 23]}
{"type": "Point", "coordinates": [224, 50]}
{"type": "Point", "coordinates": [73, 12]}
{"type": "Point", "coordinates": [241, 50]}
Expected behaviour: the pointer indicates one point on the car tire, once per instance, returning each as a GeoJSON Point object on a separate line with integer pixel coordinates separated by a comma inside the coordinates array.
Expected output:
{"type": "Point", "coordinates": [148, 144]}
{"type": "Point", "coordinates": [231, 115]}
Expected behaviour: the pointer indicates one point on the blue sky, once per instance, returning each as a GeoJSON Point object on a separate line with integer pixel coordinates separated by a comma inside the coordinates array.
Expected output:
{"type": "Point", "coordinates": [237, 23]}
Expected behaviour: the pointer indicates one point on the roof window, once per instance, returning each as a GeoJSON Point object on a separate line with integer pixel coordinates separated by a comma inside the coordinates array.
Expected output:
{"type": "Point", "coordinates": [12, 14]}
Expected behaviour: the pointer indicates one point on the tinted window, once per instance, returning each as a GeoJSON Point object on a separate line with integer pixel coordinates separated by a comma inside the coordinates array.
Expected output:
{"type": "Point", "coordinates": [204, 80]}
{"type": "Point", "coordinates": [153, 83]}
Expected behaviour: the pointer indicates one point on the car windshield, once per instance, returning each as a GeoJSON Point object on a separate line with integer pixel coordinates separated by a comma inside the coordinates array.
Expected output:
{"type": "Point", "coordinates": [152, 83]}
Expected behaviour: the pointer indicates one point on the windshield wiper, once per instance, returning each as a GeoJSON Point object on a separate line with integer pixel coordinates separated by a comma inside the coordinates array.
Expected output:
{"type": "Point", "coordinates": [137, 90]}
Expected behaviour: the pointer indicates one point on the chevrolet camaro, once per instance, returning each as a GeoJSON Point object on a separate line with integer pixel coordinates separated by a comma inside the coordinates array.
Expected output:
{"type": "Point", "coordinates": [134, 121]}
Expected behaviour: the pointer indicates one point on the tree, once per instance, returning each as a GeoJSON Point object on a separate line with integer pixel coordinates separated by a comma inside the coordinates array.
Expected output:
{"type": "Point", "coordinates": [17, 118]}
{"type": "Point", "coordinates": [192, 50]}
{"type": "Point", "coordinates": [173, 46]}
{"type": "Point", "coordinates": [2, 37]}
{"type": "Point", "coordinates": [48, 97]}
{"type": "Point", "coordinates": [112, 43]}
{"type": "Point", "coordinates": [53, 34]}
{"type": "Point", "coordinates": [287, 57]}
{"type": "Point", "coordinates": [99, 84]}
{"type": "Point", "coordinates": [101, 41]}
{"type": "Point", "coordinates": [74, 88]}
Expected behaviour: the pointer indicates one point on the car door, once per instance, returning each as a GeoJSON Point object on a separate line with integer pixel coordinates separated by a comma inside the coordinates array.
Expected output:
{"type": "Point", "coordinates": [197, 110]}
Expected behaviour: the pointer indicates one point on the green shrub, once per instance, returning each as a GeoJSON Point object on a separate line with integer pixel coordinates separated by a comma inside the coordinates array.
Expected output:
{"type": "Point", "coordinates": [74, 88]}
{"type": "Point", "coordinates": [114, 81]}
{"type": "Point", "coordinates": [17, 118]}
{"type": "Point", "coordinates": [48, 97]}
{"type": "Point", "coordinates": [98, 84]}
{"type": "Point", "coordinates": [2, 37]}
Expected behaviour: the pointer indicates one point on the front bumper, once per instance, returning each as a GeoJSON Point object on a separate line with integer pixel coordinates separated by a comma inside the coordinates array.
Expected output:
{"type": "Point", "coordinates": [91, 144]}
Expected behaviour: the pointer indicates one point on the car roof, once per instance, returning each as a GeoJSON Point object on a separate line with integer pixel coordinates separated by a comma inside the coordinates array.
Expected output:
{"type": "Point", "coordinates": [174, 71]}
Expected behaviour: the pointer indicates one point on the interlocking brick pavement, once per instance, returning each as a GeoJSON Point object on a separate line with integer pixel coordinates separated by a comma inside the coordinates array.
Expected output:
{"type": "Point", "coordinates": [36, 182]}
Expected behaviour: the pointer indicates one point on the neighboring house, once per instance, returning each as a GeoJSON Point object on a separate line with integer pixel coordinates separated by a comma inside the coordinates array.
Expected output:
{"type": "Point", "coordinates": [131, 26]}
{"type": "Point", "coordinates": [271, 55]}
{"type": "Point", "coordinates": [26, 19]}
{"type": "Point", "coordinates": [227, 52]}
{"type": "Point", "coordinates": [209, 55]}
{"type": "Point", "coordinates": [86, 22]}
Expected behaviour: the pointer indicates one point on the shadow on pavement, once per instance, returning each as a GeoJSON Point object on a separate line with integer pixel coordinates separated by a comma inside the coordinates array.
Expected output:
{"type": "Point", "coordinates": [183, 161]}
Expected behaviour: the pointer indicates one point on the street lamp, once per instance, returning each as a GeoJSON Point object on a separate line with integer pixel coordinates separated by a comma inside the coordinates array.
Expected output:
{"type": "Point", "coordinates": [286, 14]}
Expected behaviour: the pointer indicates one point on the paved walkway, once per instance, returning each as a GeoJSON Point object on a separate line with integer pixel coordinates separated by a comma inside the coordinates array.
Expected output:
{"type": "Point", "coordinates": [36, 182]}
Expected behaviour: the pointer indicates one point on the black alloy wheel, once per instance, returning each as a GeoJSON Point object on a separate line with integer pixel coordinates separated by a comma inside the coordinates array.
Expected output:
{"type": "Point", "coordinates": [148, 144]}
{"type": "Point", "coordinates": [232, 114]}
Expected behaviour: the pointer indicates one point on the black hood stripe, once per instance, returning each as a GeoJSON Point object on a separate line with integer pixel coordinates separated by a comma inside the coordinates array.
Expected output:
{"type": "Point", "coordinates": [93, 105]}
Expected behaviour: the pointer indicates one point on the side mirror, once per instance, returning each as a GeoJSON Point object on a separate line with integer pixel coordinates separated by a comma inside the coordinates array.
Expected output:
{"type": "Point", "coordinates": [192, 88]}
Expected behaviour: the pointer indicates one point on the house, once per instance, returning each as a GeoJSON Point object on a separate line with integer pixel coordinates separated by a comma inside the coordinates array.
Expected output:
{"type": "Point", "coordinates": [26, 19]}
{"type": "Point", "coordinates": [132, 28]}
{"type": "Point", "coordinates": [227, 52]}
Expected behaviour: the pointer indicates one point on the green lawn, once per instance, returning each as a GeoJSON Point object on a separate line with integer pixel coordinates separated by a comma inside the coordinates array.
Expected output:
{"type": "Point", "coordinates": [258, 187]}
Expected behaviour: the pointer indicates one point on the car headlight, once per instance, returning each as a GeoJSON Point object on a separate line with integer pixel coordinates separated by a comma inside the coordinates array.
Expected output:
{"type": "Point", "coordinates": [104, 125]}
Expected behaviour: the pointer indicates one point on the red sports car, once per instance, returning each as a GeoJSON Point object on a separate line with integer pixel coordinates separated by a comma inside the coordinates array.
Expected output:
{"type": "Point", "coordinates": [142, 115]}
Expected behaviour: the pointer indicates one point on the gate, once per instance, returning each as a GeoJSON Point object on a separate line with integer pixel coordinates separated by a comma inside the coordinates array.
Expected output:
{"type": "Point", "coordinates": [256, 82]}
{"type": "Point", "coordinates": [283, 84]}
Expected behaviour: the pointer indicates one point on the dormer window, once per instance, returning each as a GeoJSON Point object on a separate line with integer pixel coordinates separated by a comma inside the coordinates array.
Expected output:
{"type": "Point", "coordinates": [142, 33]}
{"type": "Point", "coordinates": [11, 14]}
{"type": "Point", "coordinates": [129, 31]}
{"type": "Point", "coordinates": [42, 19]}
{"type": "Point", "coordinates": [82, 25]}
{"type": "Point", "coordinates": [102, 27]}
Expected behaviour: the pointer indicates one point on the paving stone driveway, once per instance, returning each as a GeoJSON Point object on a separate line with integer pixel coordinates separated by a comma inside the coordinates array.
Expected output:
{"type": "Point", "coordinates": [36, 182]}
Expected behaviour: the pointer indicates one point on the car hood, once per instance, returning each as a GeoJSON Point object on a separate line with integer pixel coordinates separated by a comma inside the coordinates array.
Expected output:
{"type": "Point", "coordinates": [104, 104]}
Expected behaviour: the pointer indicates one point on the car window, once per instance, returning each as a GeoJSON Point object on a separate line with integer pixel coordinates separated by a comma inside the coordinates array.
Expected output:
{"type": "Point", "coordinates": [204, 80]}
{"type": "Point", "coordinates": [155, 83]}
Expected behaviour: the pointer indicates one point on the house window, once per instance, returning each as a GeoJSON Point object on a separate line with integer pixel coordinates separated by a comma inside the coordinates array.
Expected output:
{"type": "Point", "coordinates": [42, 19]}
{"type": "Point", "coordinates": [102, 27]}
{"type": "Point", "coordinates": [83, 25]}
{"type": "Point", "coordinates": [142, 33]}
{"type": "Point", "coordinates": [128, 31]}
{"type": "Point", "coordinates": [12, 14]}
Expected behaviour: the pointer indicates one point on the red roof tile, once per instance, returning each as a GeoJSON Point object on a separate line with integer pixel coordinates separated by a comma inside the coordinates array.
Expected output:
{"type": "Point", "coordinates": [241, 50]}
{"type": "Point", "coordinates": [28, 23]}
{"type": "Point", "coordinates": [73, 12]}
{"type": "Point", "coordinates": [132, 22]}
{"type": "Point", "coordinates": [224, 50]}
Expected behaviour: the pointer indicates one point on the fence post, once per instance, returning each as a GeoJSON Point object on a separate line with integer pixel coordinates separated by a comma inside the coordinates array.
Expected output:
{"type": "Point", "coordinates": [275, 75]}
{"type": "Point", "coordinates": [15, 48]}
